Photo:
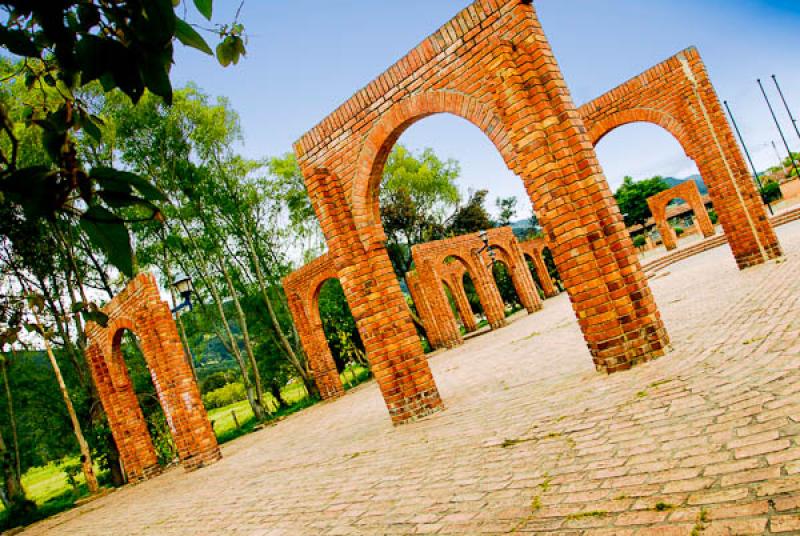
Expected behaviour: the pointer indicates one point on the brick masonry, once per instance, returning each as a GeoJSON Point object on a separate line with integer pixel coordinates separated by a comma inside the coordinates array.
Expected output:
{"type": "Point", "coordinates": [139, 309]}
{"type": "Point", "coordinates": [464, 255]}
{"type": "Point", "coordinates": [533, 249]}
{"type": "Point", "coordinates": [677, 95]}
{"type": "Point", "coordinates": [302, 289]}
{"type": "Point", "coordinates": [688, 192]}
{"type": "Point", "coordinates": [492, 65]}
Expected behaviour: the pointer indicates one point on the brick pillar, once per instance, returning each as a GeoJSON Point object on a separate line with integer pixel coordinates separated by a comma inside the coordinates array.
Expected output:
{"type": "Point", "coordinates": [722, 165]}
{"type": "Point", "coordinates": [592, 248]}
{"type": "Point", "coordinates": [424, 310]}
{"type": "Point", "coordinates": [548, 286]}
{"type": "Point", "coordinates": [486, 286]}
{"type": "Point", "coordinates": [315, 345]}
{"type": "Point", "coordinates": [702, 220]}
{"type": "Point", "coordinates": [177, 390]}
{"type": "Point", "coordinates": [125, 418]}
{"type": "Point", "coordinates": [441, 311]}
{"type": "Point", "coordinates": [523, 280]}
{"type": "Point", "coordinates": [378, 306]}
{"type": "Point", "coordinates": [462, 302]}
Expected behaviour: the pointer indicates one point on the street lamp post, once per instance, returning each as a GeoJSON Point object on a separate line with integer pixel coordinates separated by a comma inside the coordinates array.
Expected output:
{"type": "Point", "coordinates": [486, 247]}
{"type": "Point", "coordinates": [183, 287]}
{"type": "Point", "coordinates": [786, 104]}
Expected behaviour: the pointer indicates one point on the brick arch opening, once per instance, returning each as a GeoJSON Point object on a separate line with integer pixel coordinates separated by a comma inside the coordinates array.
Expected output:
{"type": "Point", "coordinates": [140, 310]}
{"type": "Point", "coordinates": [453, 275]}
{"type": "Point", "coordinates": [385, 133]}
{"type": "Point", "coordinates": [303, 288]}
{"type": "Point", "coordinates": [689, 193]}
{"type": "Point", "coordinates": [678, 96]}
{"type": "Point", "coordinates": [534, 251]}
{"type": "Point", "coordinates": [493, 58]}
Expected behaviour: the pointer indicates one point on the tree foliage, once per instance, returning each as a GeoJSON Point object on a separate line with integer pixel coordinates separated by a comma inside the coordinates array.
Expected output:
{"type": "Point", "coordinates": [632, 197]}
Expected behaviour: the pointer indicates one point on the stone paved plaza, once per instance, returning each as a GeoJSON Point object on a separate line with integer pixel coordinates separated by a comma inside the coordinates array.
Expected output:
{"type": "Point", "coordinates": [703, 441]}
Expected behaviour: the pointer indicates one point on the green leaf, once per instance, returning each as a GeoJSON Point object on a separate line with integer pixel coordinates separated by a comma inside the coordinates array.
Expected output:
{"type": "Point", "coordinates": [27, 187]}
{"type": "Point", "coordinates": [189, 37]}
{"type": "Point", "coordinates": [77, 306]}
{"type": "Point", "coordinates": [155, 74]}
{"type": "Point", "coordinates": [17, 42]}
{"type": "Point", "coordinates": [88, 125]}
{"type": "Point", "coordinates": [204, 7]}
{"type": "Point", "coordinates": [96, 316]}
{"type": "Point", "coordinates": [121, 181]}
{"type": "Point", "coordinates": [123, 200]}
{"type": "Point", "coordinates": [107, 231]}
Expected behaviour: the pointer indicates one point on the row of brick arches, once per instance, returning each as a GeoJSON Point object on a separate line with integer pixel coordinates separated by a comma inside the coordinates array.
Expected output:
{"type": "Point", "coordinates": [492, 65]}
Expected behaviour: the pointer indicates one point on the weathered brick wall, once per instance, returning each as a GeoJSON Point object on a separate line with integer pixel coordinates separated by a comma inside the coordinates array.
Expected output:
{"type": "Point", "coordinates": [302, 289]}
{"type": "Point", "coordinates": [139, 309]}
{"type": "Point", "coordinates": [492, 65]}
{"type": "Point", "coordinates": [678, 96]}
{"type": "Point", "coordinates": [534, 250]}
{"type": "Point", "coordinates": [689, 192]}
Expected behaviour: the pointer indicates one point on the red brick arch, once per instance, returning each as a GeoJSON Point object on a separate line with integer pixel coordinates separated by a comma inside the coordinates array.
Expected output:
{"type": "Point", "coordinates": [677, 95]}
{"type": "Point", "coordinates": [432, 269]}
{"type": "Point", "coordinates": [393, 123]}
{"type": "Point", "coordinates": [689, 192]}
{"type": "Point", "coordinates": [302, 289]}
{"type": "Point", "coordinates": [452, 275]}
{"type": "Point", "coordinates": [140, 310]}
{"type": "Point", "coordinates": [492, 65]}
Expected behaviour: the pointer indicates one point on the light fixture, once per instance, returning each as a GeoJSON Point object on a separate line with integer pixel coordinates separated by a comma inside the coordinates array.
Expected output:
{"type": "Point", "coordinates": [183, 287]}
{"type": "Point", "coordinates": [484, 236]}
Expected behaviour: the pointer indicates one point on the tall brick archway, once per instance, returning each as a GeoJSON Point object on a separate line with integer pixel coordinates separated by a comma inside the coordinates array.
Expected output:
{"type": "Point", "coordinates": [493, 66]}
{"type": "Point", "coordinates": [689, 192]}
{"type": "Point", "coordinates": [452, 275]}
{"type": "Point", "coordinates": [678, 95]}
{"type": "Point", "coordinates": [139, 309]}
{"type": "Point", "coordinates": [302, 289]}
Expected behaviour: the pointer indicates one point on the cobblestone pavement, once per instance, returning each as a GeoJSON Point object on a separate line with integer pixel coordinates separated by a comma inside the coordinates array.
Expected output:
{"type": "Point", "coordinates": [706, 439]}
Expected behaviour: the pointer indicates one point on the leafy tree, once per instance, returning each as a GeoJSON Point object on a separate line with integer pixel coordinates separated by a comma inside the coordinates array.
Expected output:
{"type": "Point", "coordinates": [771, 192]}
{"type": "Point", "coordinates": [67, 46]}
{"type": "Point", "coordinates": [508, 209]}
{"type": "Point", "coordinates": [472, 217]}
{"type": "Point", "coordinates": [632, 197]}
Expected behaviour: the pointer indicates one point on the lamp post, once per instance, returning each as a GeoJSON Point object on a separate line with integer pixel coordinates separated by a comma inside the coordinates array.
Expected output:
{"type": "Point", "coordinates": [484, 235]}
{"type": "Point", "coordinates": [183, 287]}
{"type": "Point", "coordinates": [786, 104]}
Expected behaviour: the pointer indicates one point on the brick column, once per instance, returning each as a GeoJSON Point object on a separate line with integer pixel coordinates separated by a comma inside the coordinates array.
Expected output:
{"type": "Point", "coordinates": [523, 280]}
{"type": "Point", "coordinates": [424, 310]}
{"type": "Point", "coordinates": [318, 353]}
{"type": "Point", "coordinates": [486, 286]}
{"type": "Point", "coordinates": [378, 306]}
{"type": "Point", "coordinates": [440, 309]}
{"type": "Point", "coordinates": [735, 197]}
{"type": "Point", "coordinates": [555, 158]}
{"type": "Point", "coordinates": [462, 302]}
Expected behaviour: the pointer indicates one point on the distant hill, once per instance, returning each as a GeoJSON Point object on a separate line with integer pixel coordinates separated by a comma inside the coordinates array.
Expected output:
{"type": "Point", "coordinates": [672, 181]}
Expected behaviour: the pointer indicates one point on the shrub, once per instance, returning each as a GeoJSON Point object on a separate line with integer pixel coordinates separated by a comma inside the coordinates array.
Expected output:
{"type": "Point", "coordinates": [225, 396]}
{"type": "Point", "coordinates": [639, 241]}
{"type": "Point", "coordinates": [712, 215]}
{"type": "Point", "coordinates": [771, 192]}
{"type": "Point", "coordinates": [679, 231]}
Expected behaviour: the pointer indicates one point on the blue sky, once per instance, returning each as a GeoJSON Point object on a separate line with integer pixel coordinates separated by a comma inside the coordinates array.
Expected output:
{"type": "Point", "coordinates": [305, 57]}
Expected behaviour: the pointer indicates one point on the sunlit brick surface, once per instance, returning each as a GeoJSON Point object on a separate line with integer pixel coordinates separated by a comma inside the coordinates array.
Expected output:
{"type": "Point", "coordinates": [677, 95]}
{"type": "Point", "coordinates": [139, 309]}
{"type": "Point", "coordinates": [491, 65]}
{"type": "Point", "coordinates": [714, 425]}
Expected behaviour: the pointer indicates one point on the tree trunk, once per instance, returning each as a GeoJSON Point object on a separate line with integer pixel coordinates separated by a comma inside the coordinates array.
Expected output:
{"type": "Point", "coordinates": [12, 418]}
{"type": "Point", "coordinates": [278, 396]}
{"type": "Point", "coordinates": [282, 339]}
{"type": "Point", "coordinates": [248, 346]}
{"type": "Point", "coordinates": [258, 409]}
{"type": "Point", "coordinates": [86, 455]}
